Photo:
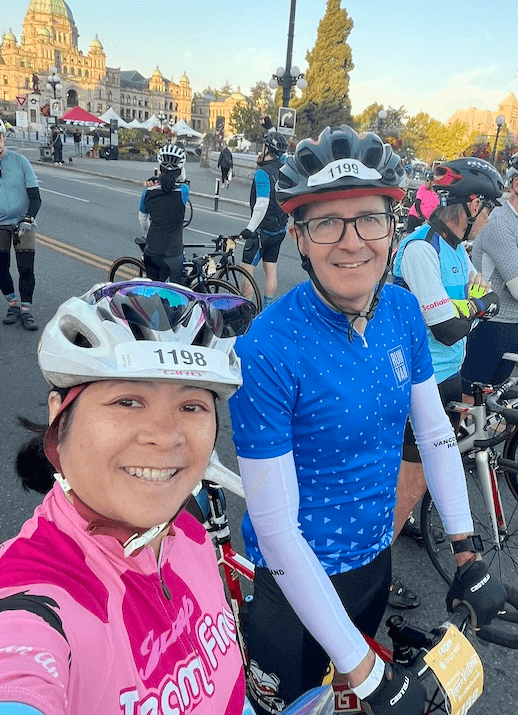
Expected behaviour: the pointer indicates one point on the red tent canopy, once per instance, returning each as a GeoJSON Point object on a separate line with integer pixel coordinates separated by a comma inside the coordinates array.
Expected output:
{"type": "Point", "coordinates": [79, 116]}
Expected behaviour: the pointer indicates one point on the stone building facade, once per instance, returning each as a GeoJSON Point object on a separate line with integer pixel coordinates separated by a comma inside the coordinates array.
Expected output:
{"type": "Point", "coordinates": [50, 39]}
{"type": "Point", "coordinates": [483, 121]}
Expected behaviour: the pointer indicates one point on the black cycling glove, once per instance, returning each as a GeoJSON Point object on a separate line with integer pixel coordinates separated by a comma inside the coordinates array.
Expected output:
{"type": "Point", "coordinates": [473, 583]}
{"type": "Point", "coordinates": [399, 693]}
{"type": "Point", "coordinates": [246, 234]}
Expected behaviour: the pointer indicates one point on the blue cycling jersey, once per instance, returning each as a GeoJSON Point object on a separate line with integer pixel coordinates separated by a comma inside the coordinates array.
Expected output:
{"type": "Point", "coordinates": [340, 406]}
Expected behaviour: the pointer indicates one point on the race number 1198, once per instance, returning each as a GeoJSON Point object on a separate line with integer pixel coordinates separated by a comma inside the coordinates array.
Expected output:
{"type": "Point", "coordinates": [181, 357]}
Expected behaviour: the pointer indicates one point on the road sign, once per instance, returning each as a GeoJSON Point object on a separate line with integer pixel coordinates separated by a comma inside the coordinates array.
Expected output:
{"type": "Point", "coordinates": [21, 100]}
{"type": "Point", "coordinates": [55, 107]}
{"type": "Point", "coordinates": [286, 120]}
{"type": "Point", "coordinates": [22, 120]}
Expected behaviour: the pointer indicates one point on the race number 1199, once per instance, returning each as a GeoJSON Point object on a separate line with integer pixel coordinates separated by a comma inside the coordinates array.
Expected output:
{"type": "Point", "coordinates": [181, 357]}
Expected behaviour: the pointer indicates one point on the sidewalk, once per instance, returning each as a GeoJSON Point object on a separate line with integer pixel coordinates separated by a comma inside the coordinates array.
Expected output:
{"type": "Point", "coordinates": [202, 181]}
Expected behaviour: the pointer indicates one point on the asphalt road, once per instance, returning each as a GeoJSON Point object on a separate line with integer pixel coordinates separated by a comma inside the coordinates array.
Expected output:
{"type": "Point", "coordinates": [98, 215]}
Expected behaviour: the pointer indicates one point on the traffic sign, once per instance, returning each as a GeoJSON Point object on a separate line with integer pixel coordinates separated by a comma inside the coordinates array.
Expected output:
{"type": "Point", "coordinates": [21, 100]}
{"type": "Point", "coordinates": [286, 120]}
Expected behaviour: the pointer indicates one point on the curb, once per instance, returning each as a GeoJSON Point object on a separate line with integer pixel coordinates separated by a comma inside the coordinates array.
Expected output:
{"type": "Point", "coordinates": [137, 182]}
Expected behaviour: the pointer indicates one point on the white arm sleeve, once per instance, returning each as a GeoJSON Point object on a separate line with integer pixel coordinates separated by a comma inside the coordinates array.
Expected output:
{"type": "Point", "coordinates": [259, 212]}
{"type": "Point", "coordinates": [272, 497]}
{"type": "Point", "coordinates": [442, 463]}
{"type": "Point", "coordinates": [145, 222]}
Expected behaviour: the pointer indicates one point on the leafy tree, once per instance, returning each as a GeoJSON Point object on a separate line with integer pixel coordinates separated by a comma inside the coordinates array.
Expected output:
{"type": "Point", "coordinates": [329, 62]}
{"type": "Point", "coordinates": [245, 119]}
{"type": "Point", "coordinates": [225, 89]}
{"type": "Point", "coordinates": [366, 120]}
{"type": "Point", "coordinates": [262, 99]}
{"type": "Point", "coordinates": [313, 118]}
{"type": "Point", "coordinates": [415, 134]}
{"type": "Point", "coordinates": [391, 126]}
{"type": "Point", "coordinates": [447, 141]}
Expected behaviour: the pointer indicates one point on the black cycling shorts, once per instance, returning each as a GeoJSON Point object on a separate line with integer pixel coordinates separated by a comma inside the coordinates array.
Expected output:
{"type": "Point", "coordinates": [285, 659]}
{"type": "Point", "coordinates": [450, 390]}
{"type": "Point", "coordinates": [486, 345]}
{"type": "Point", "coordinates": [263, 246]}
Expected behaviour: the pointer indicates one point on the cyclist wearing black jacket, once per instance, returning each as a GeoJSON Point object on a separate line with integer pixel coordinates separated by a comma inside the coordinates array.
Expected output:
{"type": "Point", "coordinates": [161, 215]}
{"type": "Point", "coordinates": [267, 226]}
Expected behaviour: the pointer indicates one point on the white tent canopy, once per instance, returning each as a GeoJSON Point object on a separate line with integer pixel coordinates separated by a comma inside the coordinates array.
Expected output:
{"type": "Point", "coordinates": [184, 130]}
{"type": "Point", "coordinates": [135, 124]}
{"type": "Point", "coordinates": [112, 114]}
{"type": "Point", "coordinates": [153, 121]}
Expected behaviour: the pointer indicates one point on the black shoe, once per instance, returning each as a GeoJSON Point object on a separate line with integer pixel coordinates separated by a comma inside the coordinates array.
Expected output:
{"type": "Point", "coordinates": [412, 529]}
{"type": "Point", "coordinates": [402, 597]}
{"type": "Point", "coordinates": [28, 321]}
{"type": "Point", "coordinates": [12, 315]}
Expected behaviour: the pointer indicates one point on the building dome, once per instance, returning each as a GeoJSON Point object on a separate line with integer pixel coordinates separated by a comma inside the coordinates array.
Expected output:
{"type": "Point", "coordinates": [9, 36]}
{"type": "Point", "coordinates": [238, 96]}
{"type": "Point", "coordinates": [53, 7]}
{"type": "Point", "coordinates": [96, 44]}
{"type": "Point", "coordinates": [157, 73]}
{"type": "Point", "coordinates": [184, 78]}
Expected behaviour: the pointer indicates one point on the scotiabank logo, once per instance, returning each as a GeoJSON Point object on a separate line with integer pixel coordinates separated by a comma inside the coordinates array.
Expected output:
{"type": "Point", "coordinates": [435, 304]}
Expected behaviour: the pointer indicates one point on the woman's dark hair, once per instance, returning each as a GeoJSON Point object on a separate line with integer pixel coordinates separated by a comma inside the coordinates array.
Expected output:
{"type": "Point", "coordinates": [32, 466]}
{"type": "Point", "coordinates": [169, 179]}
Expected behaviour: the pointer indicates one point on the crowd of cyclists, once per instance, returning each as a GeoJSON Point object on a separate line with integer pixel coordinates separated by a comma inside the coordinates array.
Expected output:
{"type": "Point", "coordinates": [110, 597]}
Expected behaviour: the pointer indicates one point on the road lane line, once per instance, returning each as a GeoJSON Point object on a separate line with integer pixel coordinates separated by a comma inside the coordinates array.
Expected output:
{"type": "Point", "coordinates": [49, 191]}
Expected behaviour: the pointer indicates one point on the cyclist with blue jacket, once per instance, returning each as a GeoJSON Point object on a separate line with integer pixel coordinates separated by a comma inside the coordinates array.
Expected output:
{"type": "Point", "coordinates": [331, 372]}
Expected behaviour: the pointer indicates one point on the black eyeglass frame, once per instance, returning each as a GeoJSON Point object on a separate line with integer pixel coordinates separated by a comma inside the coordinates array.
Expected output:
{"type": "Point", "coordinates": [391, 224]}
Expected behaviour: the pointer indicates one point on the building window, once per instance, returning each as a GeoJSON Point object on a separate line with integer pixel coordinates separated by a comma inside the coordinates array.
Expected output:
{"type": "Point", "coordinates": [87, 74]}
{"type": "Point", "coordinates": [72, 70]}
{"type": "Point", "coordinates": [79, 73]}
{"type": "Point", "coordinates": [26, 83]}
{"type": "Point", "coordinates": [6, 79]}
{"type": "Point", "coordinates": [134, 102]}
{"type": "Point", "coordinates": [88, 106]}
{"type": "Point", "coordinates": [65, 70]}
{"type": "Point", "coordinates": [22, 63]}
{"type": "Point", "coordinates": [109, 97]}
{"type": "Point", "coordinates": [146, 115]}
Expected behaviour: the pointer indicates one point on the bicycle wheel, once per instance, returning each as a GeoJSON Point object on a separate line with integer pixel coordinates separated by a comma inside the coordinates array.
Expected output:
{"type": "Point", "coordinates": [188, 214]}
{"type": "Point", "coordinates": [243, 282]}
{"type": "Point", "coordinates": [511, 453]}
{"type": "Point", "coordinates": [125, 268]}
{"type": "Point", "coordinates": [213, 285]}
{"type": "Point", "coordinates": [501, 562]}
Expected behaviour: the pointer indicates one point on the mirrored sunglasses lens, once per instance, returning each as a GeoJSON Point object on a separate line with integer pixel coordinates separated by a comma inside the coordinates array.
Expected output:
{"type": "Point", "coordinates": [230, 316]}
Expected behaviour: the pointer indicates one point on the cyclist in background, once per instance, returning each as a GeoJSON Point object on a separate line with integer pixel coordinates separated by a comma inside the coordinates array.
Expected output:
{"type": "Point", "coordinates": [161, 215]}
{"type": "Point", "coordinates": [495, 255]}
{"type": "Point", "coordinates": [426, 201]}
{"type": "Point", "coordinates": [331, 371]}
{"type": "Point", "coordinates": [434, 265]}
{"type": "Point", "coordinates": [267, 226]}
{"type": "Point", "coordinates": [110, 596]}
{"type": "Point", "coordinates": [20, 202]}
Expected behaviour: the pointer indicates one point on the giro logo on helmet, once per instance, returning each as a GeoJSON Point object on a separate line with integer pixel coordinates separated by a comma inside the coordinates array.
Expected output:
{"type": "Point", "coordinates": [339, 168]}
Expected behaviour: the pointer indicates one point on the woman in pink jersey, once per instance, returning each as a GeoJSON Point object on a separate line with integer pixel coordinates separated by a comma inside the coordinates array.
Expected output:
{"type": "Point", "coordinates": [110, 597]}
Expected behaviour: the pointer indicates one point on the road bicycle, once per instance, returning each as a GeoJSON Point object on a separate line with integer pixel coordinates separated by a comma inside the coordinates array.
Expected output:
{"type": "Point", "coordinates": [410, 644]}
{"type": "Point", "coordinates": [214, 272]}
{"type": "Point", "coordinates": [492, 480]}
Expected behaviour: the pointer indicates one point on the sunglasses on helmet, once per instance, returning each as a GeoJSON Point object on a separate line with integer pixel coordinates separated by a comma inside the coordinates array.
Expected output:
{"type": "Point", "coordinates": [137, 302]}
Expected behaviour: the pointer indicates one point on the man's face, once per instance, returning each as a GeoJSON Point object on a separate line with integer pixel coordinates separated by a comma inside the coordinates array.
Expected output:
{"type": "Point", "coordinates": [349, 269]}
{"type": "Point", "coordinates": [3, 148]}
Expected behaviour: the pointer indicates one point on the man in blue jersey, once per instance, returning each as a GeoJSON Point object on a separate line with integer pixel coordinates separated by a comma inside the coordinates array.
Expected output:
{"type": "Point", "coordinates": [433, 264]}
{"type": "Point", "coordinates": [331, 370]}
{"type": "Point", "coordinates": [267, 226]}
{"type": "Point", "coordinates": [19, 203]}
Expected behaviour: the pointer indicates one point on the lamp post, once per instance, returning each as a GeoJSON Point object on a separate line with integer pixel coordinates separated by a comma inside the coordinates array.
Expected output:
{"type": "Point", "coordinates": [289, 76]}
{"type": "Point", "coordinates": [382, 116]}
{"type": "Point", "coordinates": [54, 85]}
{"type": "Point", "coordinates": [161, 118]}
{"type": "Point", "coordinates": [500, 121]}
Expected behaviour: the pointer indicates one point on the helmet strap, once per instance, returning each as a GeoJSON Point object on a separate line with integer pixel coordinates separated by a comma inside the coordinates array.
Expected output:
{"type": "Point", "coordinates": [471, 219]}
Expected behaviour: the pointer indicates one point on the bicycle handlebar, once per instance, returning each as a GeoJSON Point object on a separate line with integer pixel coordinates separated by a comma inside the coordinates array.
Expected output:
{"type": "Point", "coordinates": [493, 401]}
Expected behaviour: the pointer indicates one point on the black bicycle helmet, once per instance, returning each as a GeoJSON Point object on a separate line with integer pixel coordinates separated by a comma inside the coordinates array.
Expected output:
{"type": "Point", "coordinates": [466, 177]}
{"type": "Point", "coordinates": [429, 175]}
{"type": "Point", "coordinates": [512, 170]}
{"type": "Point", "coordinates": [317, 171]}
{"type": "Point", "coordinates": [276, 143]}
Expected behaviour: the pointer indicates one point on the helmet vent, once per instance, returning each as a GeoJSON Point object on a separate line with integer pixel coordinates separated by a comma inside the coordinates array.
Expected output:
{"type": "Point", "coordinates": [341, 148]}
{"type": "Point", "coordinates": [309, 161]}
{"type": "Point", "coordinates": [77, 333]}
{"type": "Point", "coordinates": [373, 157]}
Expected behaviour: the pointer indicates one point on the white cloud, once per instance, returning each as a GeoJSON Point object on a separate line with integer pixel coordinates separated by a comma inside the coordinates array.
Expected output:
{"type": "Point", "coordinates": [186, 54]}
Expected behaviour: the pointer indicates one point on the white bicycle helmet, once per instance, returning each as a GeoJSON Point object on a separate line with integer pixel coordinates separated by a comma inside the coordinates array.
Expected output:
{"type": "Point", "coordinates": [2, 128]}
{"type": "Point", "coordinates": [145, 330]}
{"type": "Point", "coordinates": [171, 157]}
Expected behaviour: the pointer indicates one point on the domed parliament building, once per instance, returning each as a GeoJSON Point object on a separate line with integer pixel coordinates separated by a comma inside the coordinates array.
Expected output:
{"type": "Point", "coordinates": [50, 39]}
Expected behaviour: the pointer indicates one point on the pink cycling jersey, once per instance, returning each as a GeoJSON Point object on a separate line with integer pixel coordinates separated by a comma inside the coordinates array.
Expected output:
{"type": "Point", "coordinates": [85, 630]}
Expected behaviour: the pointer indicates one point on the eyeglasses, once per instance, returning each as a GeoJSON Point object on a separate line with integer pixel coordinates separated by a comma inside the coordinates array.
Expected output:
{"type": "Point", "coordinates": [137, 302]}
{"type": "Point", "coordinates": [330, 229]}
{"type": "Point", "coordinates": [489, 205]}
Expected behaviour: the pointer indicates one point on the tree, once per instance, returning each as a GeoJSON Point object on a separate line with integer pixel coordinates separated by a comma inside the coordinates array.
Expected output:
{"type": "Point", "coordinates": [262, 99]}
{"type": "Point", "coordinates": [313, 118]}
{"type": "Point", "coordinates": [329, 62]}
{"type": "Point", "coordinates": [391, 126]}
{"type": "Point", "coordinates": [226, 89]}
{"type": "Point", "coordinates": [415, 134]}
{"type": "Point", "coordinates": [246, 119]}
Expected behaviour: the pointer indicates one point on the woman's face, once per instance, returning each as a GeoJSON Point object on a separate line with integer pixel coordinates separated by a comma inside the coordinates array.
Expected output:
{"type": "Point", "coordinates": [135, 450]}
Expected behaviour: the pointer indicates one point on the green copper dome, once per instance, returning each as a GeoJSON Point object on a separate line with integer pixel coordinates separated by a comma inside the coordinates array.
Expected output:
{"type": "Point", "coordinates": [55, 7]}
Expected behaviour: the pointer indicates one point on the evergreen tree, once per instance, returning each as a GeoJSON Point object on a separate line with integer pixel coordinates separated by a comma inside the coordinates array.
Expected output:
{"type": "Point", "coordinates": [329, 63]}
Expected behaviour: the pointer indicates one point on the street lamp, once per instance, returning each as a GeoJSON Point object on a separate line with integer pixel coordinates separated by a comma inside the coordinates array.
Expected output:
{"type": "Point", "coordinates": [500, 121]}
{"type": "Point", "coordinates": [382, 115]}
{"type": "Point", "coordinates": [54, 85]}
{"type": "Point", "coordinates": [161, 118]}
{"type": "Point", "coordinates": [290, 76]}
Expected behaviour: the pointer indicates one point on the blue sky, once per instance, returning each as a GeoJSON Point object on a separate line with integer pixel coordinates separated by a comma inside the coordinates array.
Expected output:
{"type": "Point", "coordinates": [435, 56]}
